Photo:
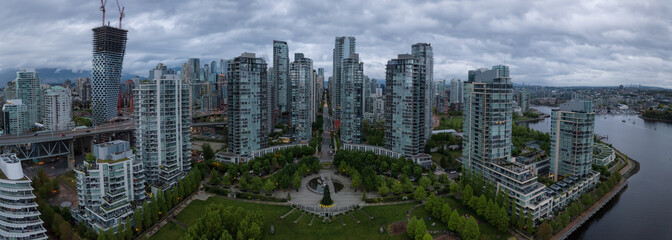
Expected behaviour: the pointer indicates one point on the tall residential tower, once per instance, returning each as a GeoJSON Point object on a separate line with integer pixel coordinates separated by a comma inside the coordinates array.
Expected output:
{"type": "Point", "coordinates": [572, 127]}
{"type": "Point", "coordinates": [109, 47]}
{"type": "Point", "coordinates": [302, 78]}
{"type": "Point", "coordinates": [343, 48]}
{"type": "Point", "coordinates": [280, 97]}
{"type": "Point", "coordinates": [353, 98]}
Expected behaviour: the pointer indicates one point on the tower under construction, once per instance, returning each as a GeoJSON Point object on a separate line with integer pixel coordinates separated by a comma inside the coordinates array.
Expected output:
{"type": "Point", "coordinates": [109, 46]}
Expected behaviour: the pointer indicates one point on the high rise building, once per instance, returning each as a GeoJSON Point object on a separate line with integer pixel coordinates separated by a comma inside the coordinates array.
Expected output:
{"type": "Point", "coordinates": [213, 68]}
{"type": "Point", "coordinates": [162, 123]}
{"type": "Point", "coordinates": [15, 117]}
{"type": "Point", "coordinates": [423, 52]}
{"type": "Point", "coordinates": [343, 48]}
{"type": "Point", "coordinates": [28, 90]}
{"type": "Point", "coordinates": [301, 77]}
{"type": "Point", "coordinates": [319, 87]}
{"type": "Point", "coordinates": [249, 116]}
{"type": "Point", "coordinates": [20, 215]}
{"type": "Point", "coordinates": [572, 127]}
{"type": "Point", "coordinates": [191, 75]}
{"type": "Point", "coordinates": [456, 90]}
{"type": "Point", "coordinates": [282, 91]}
{"type": "Point", "coordinates": [486, 151]}
{"type": "Point", "coordinates": [58, 109]}
{"type": "Point", "coordinates": [109, 187]}
{"type": "Point", "coordinates": [353, 98]}
{"type": "Point", "coordinates": [405, 105]}
{"type": "Point", "coordinates": [223, 66]}
{"type": "Point", "coordinates": [523, 99]}
{"type": "Point", "coordinates": [10, 90]}
{"type": "Point", "coordinates": [83, 88]}
{"type": "Point", "coordinates": [109, 47]}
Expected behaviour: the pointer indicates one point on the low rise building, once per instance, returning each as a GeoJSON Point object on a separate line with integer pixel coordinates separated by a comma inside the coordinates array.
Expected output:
{"type": "Point", "coordinates": [603, 155]}
{"type": "Point", "coordinates": [109, 187]}
{"type": "Point", "coordinates": [571, 188]}
{"type": "Point", "coordinates": [228, 157]}
{"type": "Point", "coordinates": [19, 216]}
{"type": "Point", "coordinates": [422, 159]}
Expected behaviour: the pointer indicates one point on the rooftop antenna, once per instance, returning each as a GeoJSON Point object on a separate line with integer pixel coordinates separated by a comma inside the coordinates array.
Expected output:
{"type": "Point", "coordinates": [121, 12]}
{"type": "Point", "coordinates": [102, 9]}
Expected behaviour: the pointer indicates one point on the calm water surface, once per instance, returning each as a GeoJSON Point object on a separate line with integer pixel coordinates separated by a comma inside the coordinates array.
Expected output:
{"type": "Point", "coordinates": [644, 209]}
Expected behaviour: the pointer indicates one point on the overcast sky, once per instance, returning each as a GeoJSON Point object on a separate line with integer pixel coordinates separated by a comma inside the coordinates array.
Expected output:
{"type": "Point", "coordinates": [557, 42]}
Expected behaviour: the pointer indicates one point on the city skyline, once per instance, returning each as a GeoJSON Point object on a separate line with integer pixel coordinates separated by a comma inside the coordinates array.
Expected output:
{"type": "Point", "coordinates": [577, 44]}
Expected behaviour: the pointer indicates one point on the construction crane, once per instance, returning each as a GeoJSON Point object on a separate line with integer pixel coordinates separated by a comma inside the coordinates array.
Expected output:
{"type": "Point", "coordinates": [121, 12]}
{"type": "Point", "coordinates": [102, 9]}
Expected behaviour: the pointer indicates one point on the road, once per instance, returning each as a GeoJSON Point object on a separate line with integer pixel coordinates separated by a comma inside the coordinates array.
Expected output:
{"type": "Point", "coordinates": [325, 154]}
{"type": "Point", "coordinates": [67, 134]}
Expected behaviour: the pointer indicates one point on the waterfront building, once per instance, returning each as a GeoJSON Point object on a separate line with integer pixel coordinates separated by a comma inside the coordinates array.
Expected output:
{"type": "Point", "coordinates": [282, 91]}
{"type": "Point", "coordinates": [28, 89]}
{"type": "Point", "coordinates": [523, 99]}
{"type": "Point", "coordinates": [486, 146]}
{"type": "Point", "coordinates": [603, 155]}
{"type": "Point", "coordinates": [344, 47]}
{"type": "Point", "coordinates": [249, 116]}
{"type": "Point", "coordinates": [109, 47]}
{"type": "Point", "coordinates": [353, 95]}
{"type": "Point", "coordinates": [162, 123]}
{"type": "Point", "coordinates": [19, 215]}
{"type": "Point", "coordinates": [302, 82]}
{"type": "Point", "coordinates": [572, 126]}
{"type": "Point", "coordinates": [423, 52]}
{"type": "Point", "coordinates": [110, 186]}
{"type": "Point", "coordinates": [58, 109]}
{"type": "Point", "coordinates": [15, 117]}
{"type": "Point", "coordinates": [405, 105]}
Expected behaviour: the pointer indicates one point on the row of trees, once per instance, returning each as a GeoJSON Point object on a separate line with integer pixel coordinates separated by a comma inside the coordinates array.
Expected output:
{"type": "Point", "coordinates": [468, 229]}
{"type": "Point", "coordinates": [369, 165]}
{"type": "Point", "coordinates": [153, 209]}
{"type": "Point", "coordinates": [661, 115]}
{"type": "Point", "coordinates": [372, 134]}
{"type": "Point", "coordinates": [226, 223]}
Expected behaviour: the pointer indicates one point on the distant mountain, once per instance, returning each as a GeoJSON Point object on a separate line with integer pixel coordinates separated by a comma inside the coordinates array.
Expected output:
{"type": "Point", "coordinates": [52, 76]}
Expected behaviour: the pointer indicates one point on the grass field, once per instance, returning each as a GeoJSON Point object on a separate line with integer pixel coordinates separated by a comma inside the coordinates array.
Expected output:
{"type": "Point", "coordinates": [287, 229]}
{"type": "Point", "coordinates": [450, 122]}
{"type": "Point", "coordinates": [452, 164]}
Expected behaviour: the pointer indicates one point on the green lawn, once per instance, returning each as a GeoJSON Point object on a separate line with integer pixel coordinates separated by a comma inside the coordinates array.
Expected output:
{"type": "Point", "coordinates": [169, 231]}
{"type": "Point", "coordinates": [287, 229]}
{"type": "Point", "coordinates": [450, 122]}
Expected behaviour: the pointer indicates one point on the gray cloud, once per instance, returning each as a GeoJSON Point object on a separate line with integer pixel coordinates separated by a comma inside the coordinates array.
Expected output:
{"type": "Point", "coordinates": [553, 42]}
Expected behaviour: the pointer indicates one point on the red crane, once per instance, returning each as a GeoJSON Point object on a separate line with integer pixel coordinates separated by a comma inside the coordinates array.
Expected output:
{"type": "Point", "coordinates": [102, 9]}
{"type": "Point", "coordinates": [121, 12]}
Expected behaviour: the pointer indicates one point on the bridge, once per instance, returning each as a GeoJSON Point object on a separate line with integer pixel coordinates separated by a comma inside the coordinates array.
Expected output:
{"type": "Point", "coordinates": [60, 143]}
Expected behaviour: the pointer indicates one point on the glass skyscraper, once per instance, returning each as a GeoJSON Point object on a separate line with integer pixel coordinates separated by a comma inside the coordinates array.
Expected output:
{"type": "Point", "coordinates": [353, 98]}
{"type": "Point", "coordinates": [572, 127]}
{"type": "Point", "coordinates": [343, 48]}
{"type": "Point", "coordinates": [423, 52]}
{"type": "Point", "coordinates": [28, 90]}
{"type": "Point", "coordinates": [109, 47]}
{"type": "Point", "coordinates": [302, 80]}
{"type": "Point", "coordinates": [405, 103]}
{"type": "Point", "coordinates": [280, 96]}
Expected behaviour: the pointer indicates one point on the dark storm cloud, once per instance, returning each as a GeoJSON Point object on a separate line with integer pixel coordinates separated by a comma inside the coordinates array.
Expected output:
{"type": "Point", "coordinates": [545, 42]}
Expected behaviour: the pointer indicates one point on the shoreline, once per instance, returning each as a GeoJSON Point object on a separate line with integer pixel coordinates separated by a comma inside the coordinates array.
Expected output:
{"type": "Point", "coordinates": [654, 119]}
{"type": "Point", "coordinates": [577, 223]}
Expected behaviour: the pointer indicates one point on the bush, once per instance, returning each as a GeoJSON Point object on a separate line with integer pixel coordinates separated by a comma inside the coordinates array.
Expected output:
{"type": "Point", "coordinates": [260, 197]}
{"type": "Point", "coordinates": [216, 190]}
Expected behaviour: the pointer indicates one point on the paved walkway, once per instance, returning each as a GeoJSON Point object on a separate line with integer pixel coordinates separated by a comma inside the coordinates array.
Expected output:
{"type": "Point", "coordinates": [200, 195]}
{"type": "Point", "coordinates": [595, 205]}
{"type": "Point", "coordinates": [346, 197]}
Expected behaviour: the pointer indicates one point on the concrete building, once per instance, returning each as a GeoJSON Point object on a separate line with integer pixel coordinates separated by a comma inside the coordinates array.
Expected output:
{"type": "Point", "coordinates": [19, 215]}
{"type": "Point", "coordinates": [109, 47]}
{"type": "Point", "coordinates": [249, 115]}
{"type": "Point", "coordinates": [456, 94]}
{"type": "Point", "coordinates": [486, 145]}
{"type": "Point", "coordinates": [109, 187]}
{"type": "Point", "coordinates": [58, 109]}
{"type": "Point", "coordinates": [405, 105]}
{"type": "Point", "coordinates": [423, 52]}
{"type": "Point", "coordinates": [344, 47]}
{"type": "Point", "coordinates": [15, 117]}
{"type": "Point", "coordinates": [422, 159]}
{"type": "Point", "coordinates": [83, 88]}
{"type": "Point", "coordinates": [572, 127]}
{"type": "Point", "coordinates": [282, 91]}
{"type": "Point", "coordinates": [29, 91]}
{"type": "Point", "coordinates": [162, 123]}
{"type": "Point", "coordinates": [353, 98]}
{"type": "Point", "coordinates": [302, 86]}
{"type": "Point", "coordinates": [10, 90]}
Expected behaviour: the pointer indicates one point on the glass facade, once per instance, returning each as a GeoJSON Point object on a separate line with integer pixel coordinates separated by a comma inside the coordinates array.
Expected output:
{"type": "Point", "coordinates": [353, 98]}
{"type": "Point", "coordinates": [302, 79]}
{"type": "Point", "coordinates": [572, 127]}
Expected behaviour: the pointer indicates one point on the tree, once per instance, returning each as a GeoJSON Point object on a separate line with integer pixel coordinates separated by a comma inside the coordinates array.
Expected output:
{"type": "Point", "coordinates": [269, 186]}
{"type": "Point", "coordinates": [407, 185]}
{"type": "Point", "coordinates": [397, 187]}
{"type": "Point", "coordinates": [383, 190]}
{"type": "Point", "coordinates": [214, 177]}
{"type": "Point", "coordinates": [128, 231]}
{"type": "Point", "coordinates": [530, 224]}
{"type": "Point", "coordinates": [481, 205]}
{"type": "Point", "coordinates": [326, 197]}
{"type": "Point", "coordinates": [296, 181]}
{"type": "Point", "coordinates": [445, 213]}
{"type": "Point", "coordinates": [454, 189]}
{"type": "Point", "coordinates": [420, 193]}
{"type": "Point", "coordinates": [425, 182]}
{"type": "Point", "coordinates": [544, 232]}
{"type": "Point", "coordinates": [427, 236]}
{"type": "Point", "coordinates": [454, 221]}
{"type": "Point", "coordinates": [137, 219]}
{"type": "Point", "coordinates": [257, 184]}
{"type": "Point", "coordinates": [470, 231]}
{"type": "Point", "coordinates": [208, 153]}
{"type": "Point", "coordinates": [467, 193]}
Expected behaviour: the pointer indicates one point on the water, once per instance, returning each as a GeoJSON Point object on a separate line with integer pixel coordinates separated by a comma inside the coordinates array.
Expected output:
{"type": "Point", "coordinates": [644, 209]}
